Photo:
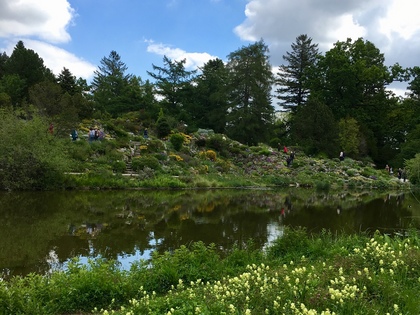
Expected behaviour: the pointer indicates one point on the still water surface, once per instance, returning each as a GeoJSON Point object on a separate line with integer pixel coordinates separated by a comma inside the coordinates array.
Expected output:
{"type": "Point", "coordinates": [40, 231]}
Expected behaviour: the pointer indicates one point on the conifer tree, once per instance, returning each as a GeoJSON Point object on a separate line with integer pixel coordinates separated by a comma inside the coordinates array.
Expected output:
{"type": "Point", "coordinates": [250, 110]}
{"type": "Point", "coordinates": [293, 77]}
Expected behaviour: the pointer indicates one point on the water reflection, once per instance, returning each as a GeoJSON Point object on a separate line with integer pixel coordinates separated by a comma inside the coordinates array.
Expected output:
{"type": "Point", "coordinates": [40, 231]}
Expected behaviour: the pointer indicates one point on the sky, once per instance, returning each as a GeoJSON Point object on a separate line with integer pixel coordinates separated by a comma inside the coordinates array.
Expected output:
{"type": "Point", "coordinates": [77, 34]}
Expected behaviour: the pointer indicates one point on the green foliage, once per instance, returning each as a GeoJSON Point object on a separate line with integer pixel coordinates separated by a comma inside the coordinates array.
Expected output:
{"type": "Point", "coordinates": [212, 96]}
{"type": "Point", "coordinates": [154, 145]}
{"type": "Point", "coordinates": [80, 150]}
{"type": "Point", "coordinates": [177, 140]}
{"type": "Point", "coordinates": [413, 169]}
{"type": "Point", "coordinates": [30, 158]}
{"type": "Point", "coordinates": [274, 143]}
{"type": "Point", "coordinates": [115, 92]}
{"type": "Point", "coordinates": [351, 172]}
{"type": "Point", "coordinates": [114, 130]}
{"type": "Point", "coordinates": [264, 151]}
{"type": "Point", "coordinates": [162, 127]}
{"type": "Point", "coordinates": [163, 182]}
{"type": "Point", "coordinates": [84, 287]}
{"type": "Point", "coordinates": [307, 131]}
{"type": "Point", "coordinates": [349, 136]}
{"type": "Point", "coordinates": [251, 78]}
{"type": "Point", "coordinates": [293, 244]}
{"type": "Point", "coordinates": [348, 274]}
{"type": "Point", "coordinates": [218, 143]}
{"type": "Point", "coordinates": [322, 185]}
{"type": "Point", "coordinates": [141, 162]}
{"type": "Point", "coordinates": [280, 181]}
{"type": "Point", "coordinates": [293, 79]}
{"type": "Point", "coordinates": [119, 166]}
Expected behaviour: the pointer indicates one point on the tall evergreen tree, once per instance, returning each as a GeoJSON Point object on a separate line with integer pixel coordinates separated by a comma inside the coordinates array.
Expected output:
{"type": "Point", "coordinates": [30, 68]}
{"type": "Point", "coordinates": [67, 81]}
{"type": "Point", "coordinates": [3, 60]}
{"type": "Point", "coordinates": [212, 104]}
{"type": "Point", "coordinates": [111, 85]}
{"type": "Point", "coordinates": [293, 77]}
{"type": "Point", "coordinates": [250, 110]}
{"type": "Point", "coordinates": [173, 83]}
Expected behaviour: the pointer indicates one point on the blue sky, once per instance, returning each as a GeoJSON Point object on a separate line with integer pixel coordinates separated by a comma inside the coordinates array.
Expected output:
{"type": "Point", "coordinates": [77, 34]}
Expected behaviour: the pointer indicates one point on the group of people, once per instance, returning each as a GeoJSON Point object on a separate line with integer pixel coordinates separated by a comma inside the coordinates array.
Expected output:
{"type": "Point", "coordinates": [290, 157]}
{"type": "Point", "coordinates": [401, 173]}
{"type": "Point", "coordinates": [95, 134]}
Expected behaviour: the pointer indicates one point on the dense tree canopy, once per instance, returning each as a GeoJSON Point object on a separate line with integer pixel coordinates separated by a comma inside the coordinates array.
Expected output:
{"type": "Point", "coordinates": [250, 112]}
{"type": "Point", "coordinates": [337, 100]}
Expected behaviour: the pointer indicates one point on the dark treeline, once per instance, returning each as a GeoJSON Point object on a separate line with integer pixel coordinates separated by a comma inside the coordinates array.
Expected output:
{"type": "Point", "coordinates": [331, 102]}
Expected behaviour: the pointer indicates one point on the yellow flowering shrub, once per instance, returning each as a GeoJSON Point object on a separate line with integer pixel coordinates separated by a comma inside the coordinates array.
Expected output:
{"type": "Point", "coordinates": [211, 155]}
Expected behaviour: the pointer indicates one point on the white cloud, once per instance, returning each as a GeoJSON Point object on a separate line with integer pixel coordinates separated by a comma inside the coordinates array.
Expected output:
{"type": "Point", "coordinates": [193, 60]}
{"type": "Point", "coordinates": [401, 18]}
{"type": "Point", "coordinates": [56, 58]}
{"type": "Point", "coordinates": [392, 25]}
{"type": "Point", "coordinates": [40, 24]}
{"type": "Point", "coordinates": [45, 19]}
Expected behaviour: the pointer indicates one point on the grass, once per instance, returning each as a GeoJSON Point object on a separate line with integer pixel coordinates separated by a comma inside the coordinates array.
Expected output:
{"type": "Point", "coordinates": [298, 274]}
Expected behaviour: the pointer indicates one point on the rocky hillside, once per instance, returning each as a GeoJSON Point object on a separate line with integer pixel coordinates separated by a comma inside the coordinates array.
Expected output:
{"type": "Point", "coordinates": [205, 159]}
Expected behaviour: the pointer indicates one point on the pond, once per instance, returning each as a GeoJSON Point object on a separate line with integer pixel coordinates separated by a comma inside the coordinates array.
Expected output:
{"type": "Point", "coordinates": [41, 231]}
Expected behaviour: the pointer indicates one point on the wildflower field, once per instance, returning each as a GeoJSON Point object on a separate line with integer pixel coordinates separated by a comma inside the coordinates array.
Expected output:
{"type": "Point", "coordinates": [298, 274]}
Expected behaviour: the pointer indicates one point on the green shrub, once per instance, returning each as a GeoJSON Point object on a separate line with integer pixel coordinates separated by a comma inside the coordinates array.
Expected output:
{"type": "Point", "coordinates": [80, 150]}
{"type": "Point", "coordinates": [351, 172]}
{"type": "Point", "coordinates": [177, 140]}
{"type": "Point", "coordinates": [279, 181]}
{"type": "Point", "coordinates": [163, 129]}
{"type": "Point", "coordinates": [265, 152]}
{"type": "Point", "coordinates": [413, 169]}
{"type": "Point", "coordinates": [30, 158]}
{"type": "Point", "coordinates": [163, 182]}
{"type": "Point", "coordinates": [119, 166]}
{"type": "Point", "coordinates": [322, 185]}
{"type": "Point", "coordinates": [139, 163]}
{"type": "Point", "coordinates": [293, 244]}
{"type": "Point", "coordinates": [114, 130]}
{"type": "Point", "coordinates": [218, 142]}
{"type": "Point", "coordinates": [161, 156]}
{"type": "Point", "coordinates": [154, 145]}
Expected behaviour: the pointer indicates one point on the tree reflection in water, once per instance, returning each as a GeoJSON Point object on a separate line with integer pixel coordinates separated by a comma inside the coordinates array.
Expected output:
{"type": "Point", "coordinates": [42, 230]}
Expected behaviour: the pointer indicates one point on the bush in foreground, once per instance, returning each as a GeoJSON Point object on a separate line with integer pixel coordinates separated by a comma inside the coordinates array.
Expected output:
{"type": "Point", "coordinates": [297, 274]}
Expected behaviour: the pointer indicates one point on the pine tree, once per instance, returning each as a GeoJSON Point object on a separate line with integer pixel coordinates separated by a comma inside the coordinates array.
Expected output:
{"type": "Point", "coordinates": [111, 85]}
{"type": "Point", "coordinates": [293, 77]}
{"type": "Point", "coordinates": [67, 81]}
{"type": "Point", "coordinates": [211, 95]}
